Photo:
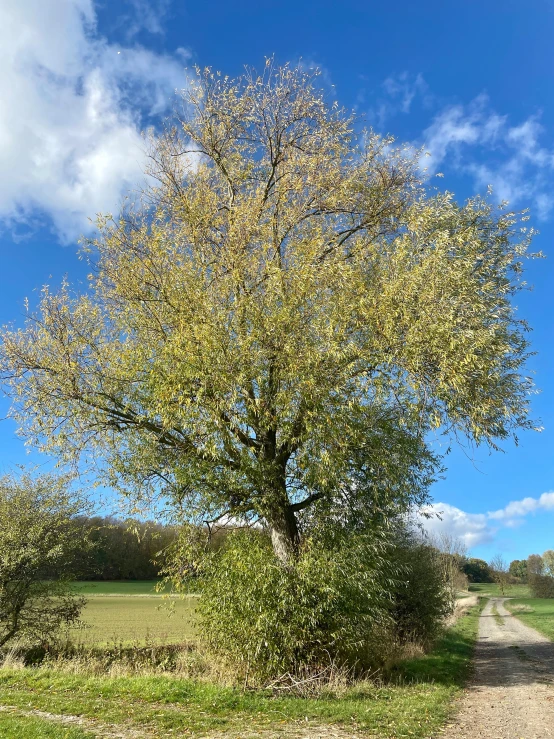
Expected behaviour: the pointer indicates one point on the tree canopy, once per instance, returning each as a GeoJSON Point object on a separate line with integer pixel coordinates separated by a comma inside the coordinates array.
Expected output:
{"type": "Point", "coordinates": [274, 326]}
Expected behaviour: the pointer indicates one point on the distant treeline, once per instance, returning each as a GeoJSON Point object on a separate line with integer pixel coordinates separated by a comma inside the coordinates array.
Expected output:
{"type": "Point", "coordinates": [124, 550]}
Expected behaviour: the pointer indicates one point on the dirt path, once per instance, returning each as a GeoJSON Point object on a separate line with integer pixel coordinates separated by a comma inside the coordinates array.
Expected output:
{"type": "Point", "coordinates": [294, 730]}
{"type": "Point", "coordinates": [512, 695]}
{"type": "Point", "coordinates": [97, 728]}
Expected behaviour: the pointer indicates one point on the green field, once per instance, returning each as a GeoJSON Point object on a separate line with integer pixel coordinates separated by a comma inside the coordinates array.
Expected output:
{"type": "Point", "coordinates": [540, 617]}
{"type": "Point", "coordinates": [491, 589]}
{"type": "Point", "coordinates": [414, 703]}
{"type": "Point", "coordinates": [118, 587]}
{"type": "Point", "coordinates": [112, 619]}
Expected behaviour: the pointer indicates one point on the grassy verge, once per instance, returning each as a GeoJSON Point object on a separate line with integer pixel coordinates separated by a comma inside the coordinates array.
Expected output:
{"type": "Point", "coordinates": [535, 612]}
{"type": "Point", "coordinates": [31, 727]}
{"type": "Point", "coordinates": [415, 702]}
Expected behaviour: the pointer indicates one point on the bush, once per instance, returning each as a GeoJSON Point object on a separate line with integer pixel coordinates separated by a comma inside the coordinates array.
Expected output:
{"type": "Point", "coordinates": [541, 586]}
{"type": "Point", "coordinates": [40, 546]}
{"type": "Point", "coordinates": [422, 597]}
{"type": "Point", "coordinates": [269, 619]}
{"type": "Point", "coordinates": [351, 600]}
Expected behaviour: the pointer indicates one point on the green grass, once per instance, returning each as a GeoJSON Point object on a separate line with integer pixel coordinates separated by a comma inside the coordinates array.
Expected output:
{"type": "Point", "coordinates": [491, 589]}
{"type": "Point", "coordinates": [497, 617]}
{"type": "Point", "coordinates": [542, 616]}
{"type": "Point", "coordinates": [31, 727]}
{"type": "Point", "coordinates": [415, 703]}
{"type": "Point", "coordinates": [122, 619]}
{"type": "Point", "coordinates": [117, 587]}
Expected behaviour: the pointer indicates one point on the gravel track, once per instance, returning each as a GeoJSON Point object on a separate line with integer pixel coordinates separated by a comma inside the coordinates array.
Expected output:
{"type": "Point", "coordinates": [512, 693]}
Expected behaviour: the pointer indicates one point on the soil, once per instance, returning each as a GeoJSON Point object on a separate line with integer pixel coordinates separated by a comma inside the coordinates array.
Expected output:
{"type": "Point", "coordinates": [512, 692]}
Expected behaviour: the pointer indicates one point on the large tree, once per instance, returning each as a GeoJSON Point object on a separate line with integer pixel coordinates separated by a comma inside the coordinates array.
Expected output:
{"type": "Point", "coordinates": [276, 324]}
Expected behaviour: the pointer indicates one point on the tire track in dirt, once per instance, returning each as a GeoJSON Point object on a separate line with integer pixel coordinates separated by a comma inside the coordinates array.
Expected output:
{"type": "Point", "coordinates": [293, 730]}
{"type": "Point", "coordinates": [100, 730]}
{"type": "Point", "coordinates": [512, 692]}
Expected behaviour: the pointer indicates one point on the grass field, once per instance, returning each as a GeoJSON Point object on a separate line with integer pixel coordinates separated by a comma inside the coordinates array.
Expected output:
{"type": "Point", "coordinates": [415, 704]}
{"type": "Point", "coordinates": [112, 619]}
{"type": "Point", "coordinates": [118, 587]}
{"type": "Point", "coordinates": [491, 589]}
{"type": "Point", "coordinates": [132, 613]}
{"type": "Point", "coordinates": [540, 617]}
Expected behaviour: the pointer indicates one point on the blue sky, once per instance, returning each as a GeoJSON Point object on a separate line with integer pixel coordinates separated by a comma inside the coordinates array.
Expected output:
{"type": "Point", "coordinates": [470, 82]}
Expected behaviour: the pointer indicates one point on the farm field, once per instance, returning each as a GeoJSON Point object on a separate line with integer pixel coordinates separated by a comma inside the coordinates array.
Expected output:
{"type": "Point", "coordinates": [132, 613]}
{"type": "Point", "coordinates": [118, 587]}
{"type": "Point", "coordinates": [415, 702]}
{"type": "Point", "coordinates": [540, 615]}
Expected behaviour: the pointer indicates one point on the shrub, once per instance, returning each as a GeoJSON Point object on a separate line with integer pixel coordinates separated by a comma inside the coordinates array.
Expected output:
{"type": "Point", "coordinates": [352, 599]}
{"type": "Point", "coordinates": [270, 619]}
{"type": "Point", "coordinates": [422, 598]}
{"type": "Point", "coordinates": [541, 586]}
{"type": "Point", "coordinates": [40, 545]}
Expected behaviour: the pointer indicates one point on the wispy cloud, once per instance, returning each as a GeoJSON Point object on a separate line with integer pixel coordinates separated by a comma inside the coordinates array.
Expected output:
{"type": "Point", "coordinates": [397, 95]}
{"type": "Point", "coordinates": [72, 109]}
{"type": "Point", "coordinates": [149, 15]}
{"type": "Point", "coordinates": [404, 88]}
{"type": "Point", "coordinates": [481, 528]}
{"type": "Point", "coordinates": [477, 141]}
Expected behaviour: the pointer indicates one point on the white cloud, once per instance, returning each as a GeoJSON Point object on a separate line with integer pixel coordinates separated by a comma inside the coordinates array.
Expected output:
{"type": "Point", "coordinates": [72, 109]}
{"type": "Point", "coordinates": [511, 159]}
{"type": "Point", "coordinates": [521, 508]}
{"type": "Point", "coordinates": [480, 528]}
{"type": "Point", "coordinates": [471, 528]}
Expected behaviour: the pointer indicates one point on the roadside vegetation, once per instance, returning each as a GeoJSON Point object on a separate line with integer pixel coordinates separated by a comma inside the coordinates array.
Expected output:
{"type": "Point", "coordinates": [414, 699]}
{"type": "Point", "coordinates": [14, 726]}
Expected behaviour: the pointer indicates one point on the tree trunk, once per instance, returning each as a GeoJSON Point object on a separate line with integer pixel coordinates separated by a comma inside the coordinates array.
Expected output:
{"type": "Point", "coordinates": [284, 535]}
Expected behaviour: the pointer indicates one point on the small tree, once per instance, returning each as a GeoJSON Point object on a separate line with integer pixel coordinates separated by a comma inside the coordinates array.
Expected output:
{"type": "Point", "coordinates": [548, 559]}
{"type": "Point", "coordinates": [500, 573]}
{"type": "Point", "coordinates": [540, 574]}
{"type": "Point", "coordinates": [535, 565]}
{"type": "Point", "coordinates": [41, 546]}
{"type": "Point", "coordinates": [518, 569]}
